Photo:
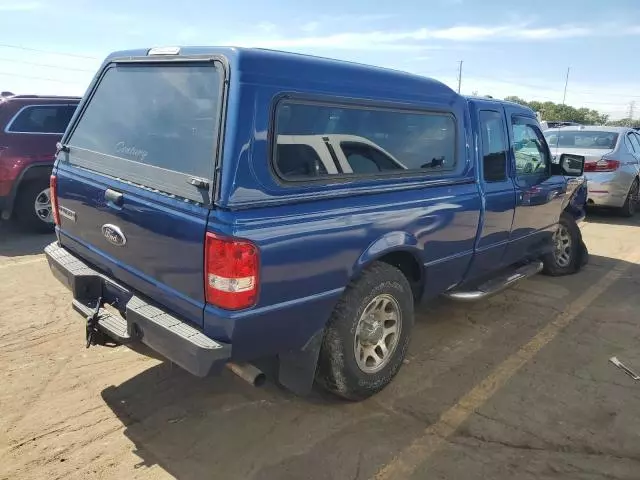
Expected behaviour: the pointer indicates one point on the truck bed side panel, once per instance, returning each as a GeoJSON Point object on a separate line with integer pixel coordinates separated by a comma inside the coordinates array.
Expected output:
{"type": "Point", "coordinates": [309, 255]}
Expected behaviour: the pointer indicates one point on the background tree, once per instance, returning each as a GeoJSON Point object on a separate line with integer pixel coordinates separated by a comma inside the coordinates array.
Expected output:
{"type": "Point", "coordinates": [557, 112]}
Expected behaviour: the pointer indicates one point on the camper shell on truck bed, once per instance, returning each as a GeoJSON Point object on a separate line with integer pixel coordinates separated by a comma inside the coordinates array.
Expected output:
{"type": "Point", "coordinates": [233, 204]}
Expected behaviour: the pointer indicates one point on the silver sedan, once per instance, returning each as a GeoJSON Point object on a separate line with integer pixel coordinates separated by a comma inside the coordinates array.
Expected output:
{"type": "Point", "coordinates": [612, 162]}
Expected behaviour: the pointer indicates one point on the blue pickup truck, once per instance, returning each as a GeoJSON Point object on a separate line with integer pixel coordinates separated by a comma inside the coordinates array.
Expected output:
{"type": "Point", "coordinates": [223, 205]}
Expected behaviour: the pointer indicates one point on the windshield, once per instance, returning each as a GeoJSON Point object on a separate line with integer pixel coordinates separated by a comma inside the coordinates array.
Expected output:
{"type": "Point", "coordinates": [157, 115]}
{"type": "Point", "coordinates": [580, 139]}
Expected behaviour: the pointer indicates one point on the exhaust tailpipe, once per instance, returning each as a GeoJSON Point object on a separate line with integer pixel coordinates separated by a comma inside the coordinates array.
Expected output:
{"type": "Point", "coordinates": [248, 373]}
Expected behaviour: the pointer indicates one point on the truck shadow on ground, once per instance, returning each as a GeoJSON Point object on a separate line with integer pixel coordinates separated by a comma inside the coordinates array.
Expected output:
{"type": "Point", "coordinates": [16, 243]}
{"type": "Point", "coordinates": [224, 428]}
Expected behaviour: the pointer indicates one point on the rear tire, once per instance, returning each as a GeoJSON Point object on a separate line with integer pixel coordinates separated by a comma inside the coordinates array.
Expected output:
{"type": "Point", "coordinates": [30, 217]}
{"type": "Point", "coordinates": [629, 208]}
{"type": "Point", "coordinates": [569, 250]}
{"type": "Point", "coordinates": [360, 353]}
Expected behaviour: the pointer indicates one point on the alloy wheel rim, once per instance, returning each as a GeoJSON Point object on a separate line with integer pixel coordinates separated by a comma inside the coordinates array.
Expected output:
{"type": "Point", "coordinates": [377, 333]}
{"type": "Point", "coordinates": [42, 206]}
{"type": "Point", "coordinates": [562, 246]}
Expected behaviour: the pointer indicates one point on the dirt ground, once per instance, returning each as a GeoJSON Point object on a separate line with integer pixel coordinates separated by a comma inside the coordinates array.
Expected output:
{"type": "Point", "coordinates": [515, 387]}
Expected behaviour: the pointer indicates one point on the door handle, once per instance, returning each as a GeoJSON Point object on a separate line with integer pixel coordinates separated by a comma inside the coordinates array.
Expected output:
{"type": "Point", "coordinates": [114, 197]}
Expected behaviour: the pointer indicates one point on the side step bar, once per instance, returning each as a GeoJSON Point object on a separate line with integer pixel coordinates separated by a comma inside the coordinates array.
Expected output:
{"type": "Point", "coordinates": [495, 285]}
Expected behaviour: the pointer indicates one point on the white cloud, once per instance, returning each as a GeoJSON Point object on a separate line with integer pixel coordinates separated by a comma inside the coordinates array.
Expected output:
{"type": "Point", "coordinates": [555, 33]}
{"type": "Point", "coordinates": [339, 41]}
{"type": "Point", "coordinates": [418, 39]}
{"type": "Point", "coordinates": [16, 6]}
{"type": "Point", "coordinates": [513, 31]}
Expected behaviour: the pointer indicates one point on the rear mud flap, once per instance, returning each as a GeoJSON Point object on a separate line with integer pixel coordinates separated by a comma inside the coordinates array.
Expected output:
{"type": "Point", "coordinates": [298, 369]}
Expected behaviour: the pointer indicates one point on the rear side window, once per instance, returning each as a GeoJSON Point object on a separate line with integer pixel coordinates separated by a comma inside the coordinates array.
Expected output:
{"type": "Point", "coordinates": [156, 115]}
{"type": "Point", "coordinates": [634, 143]}
{"type": "Point", "coordinates": [494, 146]}
{"type": "Point", "coordinates": [352, 140]}
{"type": "Point", "coordinates": [582, 139]}
{"type": "Point", "coordinates": [51, 119]}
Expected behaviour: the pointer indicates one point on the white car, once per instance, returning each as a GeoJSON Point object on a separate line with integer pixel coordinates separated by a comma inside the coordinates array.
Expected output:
{"type": "Point", "coordinates": [331, 154]}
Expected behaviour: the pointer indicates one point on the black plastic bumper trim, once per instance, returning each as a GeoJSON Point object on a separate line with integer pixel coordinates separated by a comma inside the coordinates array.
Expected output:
{"type": "Point", "coordinates": [171, 337]}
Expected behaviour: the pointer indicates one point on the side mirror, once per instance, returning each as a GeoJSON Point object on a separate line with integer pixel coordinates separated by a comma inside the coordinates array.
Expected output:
{"type": "Point", "coordinates": [569, 166]}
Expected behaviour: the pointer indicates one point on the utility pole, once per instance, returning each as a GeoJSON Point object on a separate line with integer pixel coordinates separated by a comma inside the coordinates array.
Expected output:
{"type": "Point", "coordinates": [566, 82]}
{"type": "Point", "coordinates": [632, 106]}
{"type": "Point", "coordinates": [459, 75]}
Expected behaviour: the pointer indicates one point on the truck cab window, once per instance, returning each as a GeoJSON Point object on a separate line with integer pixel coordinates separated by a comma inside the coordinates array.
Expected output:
{"type": "Point", "coordinates": [494, 146]}
{"type": "Point", "coordinates": [529, 148]}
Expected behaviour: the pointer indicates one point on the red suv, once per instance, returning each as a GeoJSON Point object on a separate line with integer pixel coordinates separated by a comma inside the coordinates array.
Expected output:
{"type": "Point", "coordinates": [30, 127]}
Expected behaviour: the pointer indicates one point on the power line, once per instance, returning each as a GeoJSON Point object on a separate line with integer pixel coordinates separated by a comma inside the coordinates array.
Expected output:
{"type": "Point", "coordinates": [589, 102]}
{"type": "Point", "coordinates": [515, 81]}
{"type": "Point", "coordinates": [61, 67]}
{"type": "Point", "coordinates": [546, 89]}
{"type": "Point", "coordinates": [29, 49]}
{"type": "Point", "coordinates": [591, 92]}
{"type": "Point", "coordinates": [40, 78]}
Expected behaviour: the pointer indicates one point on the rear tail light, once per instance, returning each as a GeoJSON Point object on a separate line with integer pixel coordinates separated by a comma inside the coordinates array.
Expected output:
{"type": "Point", "coordinates": [53, 194]}
{"type": "Point", "coordinates": [231, 272]}
{"type": "Point", "coordinates": [602, 166]}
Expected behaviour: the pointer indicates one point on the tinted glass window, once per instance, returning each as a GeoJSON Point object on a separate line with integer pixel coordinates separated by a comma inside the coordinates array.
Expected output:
{"type": "Point", "coordinates": [637, 137]}
{"type": "Point", "coordinates": [582, 139]}
{"type": "Point", "coordinates": [351, 140]}
{"type": "Point", "coordinates": [634, 142]}
{"type": "Point", "coordinates": [164, 116]}
{"type": "Point", "coordinates": [42, 119]}
{"type": "Point", "coordinates": [532, 156]}
{"type": "Point", "coordinates": [628, 145]}
{"type": "Point", "coordinates": [494, 146]}
{"type": "Point", "coordinates": [299, 160]}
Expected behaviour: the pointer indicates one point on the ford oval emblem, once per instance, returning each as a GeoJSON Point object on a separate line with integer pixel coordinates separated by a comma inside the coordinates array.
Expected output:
{"type": "Point", "coordinates": [114, 235]}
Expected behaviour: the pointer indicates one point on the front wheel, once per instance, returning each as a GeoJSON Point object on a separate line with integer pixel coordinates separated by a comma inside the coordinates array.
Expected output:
{"type": "Point", "coordinates": [568, 249]}
{"type": "Point", "coordinates": [366, 339]}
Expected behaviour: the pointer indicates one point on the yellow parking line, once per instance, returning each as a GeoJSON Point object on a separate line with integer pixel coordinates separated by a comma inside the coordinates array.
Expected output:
{"type": "Point", "coordinates": [17, 263]}
{"type": "Point", "coordinates": [436, 435]}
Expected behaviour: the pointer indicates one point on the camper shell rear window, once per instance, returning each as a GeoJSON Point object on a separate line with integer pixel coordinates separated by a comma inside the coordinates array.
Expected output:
{"type": "Point", "coordinates": [152, 123]}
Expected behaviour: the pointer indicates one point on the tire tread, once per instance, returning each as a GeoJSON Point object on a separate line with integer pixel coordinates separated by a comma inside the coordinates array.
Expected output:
{"type": "Point", "coordinates": [334, 372]}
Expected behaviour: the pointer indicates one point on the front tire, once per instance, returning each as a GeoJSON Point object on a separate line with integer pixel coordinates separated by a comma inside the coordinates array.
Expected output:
{"type": "Point", "coordinates": [368, 334]}
{"type": "Point", "coordinates": [33, 206]}
{"type": "Point", "coordinates": [567, 254]}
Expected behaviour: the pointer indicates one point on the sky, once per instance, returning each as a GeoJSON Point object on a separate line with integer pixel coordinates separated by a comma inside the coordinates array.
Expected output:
{"type": "Point", "coordinates": [521, 48]}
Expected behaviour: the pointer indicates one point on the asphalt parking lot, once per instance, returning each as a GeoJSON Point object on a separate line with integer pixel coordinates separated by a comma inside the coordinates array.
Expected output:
{"type": "Point", "coordinates": [518, 386]}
